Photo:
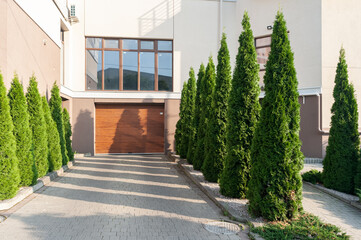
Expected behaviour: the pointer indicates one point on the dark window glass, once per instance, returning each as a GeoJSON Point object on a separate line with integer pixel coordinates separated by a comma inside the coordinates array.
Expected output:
{"type": "Point", "coordinates": [147, 71]}
{"type": "Point", "coordinates": [130, 44]}
{"type": "Point", "coordinates": [94, 69]}
{"type": "Point", "coordinates": [111, 43]}
{"type": "Point", "coordinates": [130, 70]}
{"type": "Point", "coordinates": [147, 45]}
{"type": "Point", "coordinates": [111, 70]}
{"type": "Point", "coordinates": [165, 45]}
{"type": "Point", "coordinates": [94, 43]}
{"type": "Point", "coordinates": [165, 71]}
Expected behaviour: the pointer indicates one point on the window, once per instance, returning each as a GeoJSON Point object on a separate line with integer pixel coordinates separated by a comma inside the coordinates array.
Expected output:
{"type": "Point", "coordinates": [129, 64]}
{"type": "Point", "coordinates": [263, 48]}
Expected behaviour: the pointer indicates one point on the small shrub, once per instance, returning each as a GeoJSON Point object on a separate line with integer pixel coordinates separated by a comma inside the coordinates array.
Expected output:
{"type": "Point", "coordinates": [9, 171]}
{"type": "Point", "coordinates": [57, 114]}
{"type": "Point", "coordinates": [38, 126]}
{"type": "Point", "coordinates": [312, 176]}
{"type": "Point", "coordinates": [54, 153]}
{"type": "Point", "coordinates": [22, 132]}
{"type": "Point", "coordinates": [306, 226]}
{"type": "Point", "coordinates": [68, 133]}
{"type": "Point", "coordinates": [358, 193]}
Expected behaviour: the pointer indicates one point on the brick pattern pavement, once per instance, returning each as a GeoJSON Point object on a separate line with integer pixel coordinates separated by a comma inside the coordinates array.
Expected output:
{"type": "Point", "coordinates": [115, 197]}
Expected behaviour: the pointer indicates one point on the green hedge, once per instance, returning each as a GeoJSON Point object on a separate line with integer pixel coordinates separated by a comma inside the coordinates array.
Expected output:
{"type": "Point", "coordinates": [23, 134]}
{"type": "Point", "coordinates": [312, 176]}
{"type": "Point", "coordinates": [38, 126]}
{"type": "Point", "coordinates": [342, 152]}
{"type": "Point", "coordinates": [215, 141]}
{"type": "Point", "coordinates": [57, 114]}
{"type": "Point", "coordinates": [68, 133]}
{"type": "Point", "coordinates": [243, 114]}
{"type": "Point", "coordinates": [275, 187]}
{"type": "Point", "coordinates": [9, 174]}
{"type": "Point", "coordinates": [54, 153]}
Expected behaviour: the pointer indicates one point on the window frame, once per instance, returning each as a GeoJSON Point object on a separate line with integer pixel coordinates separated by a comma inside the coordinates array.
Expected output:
{"type": "Point", "coordinates": [121, 51]}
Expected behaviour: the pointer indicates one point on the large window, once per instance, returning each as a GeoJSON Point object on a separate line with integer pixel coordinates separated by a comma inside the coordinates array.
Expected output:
{"type": "Point", "coordinates": [129, 64]}
{"type": "Point", "coordinates": [263, 48]}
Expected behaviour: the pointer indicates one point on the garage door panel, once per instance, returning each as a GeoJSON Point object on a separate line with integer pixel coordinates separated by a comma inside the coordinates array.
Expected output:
{"type": "Point", "coordinates": [129, 128]}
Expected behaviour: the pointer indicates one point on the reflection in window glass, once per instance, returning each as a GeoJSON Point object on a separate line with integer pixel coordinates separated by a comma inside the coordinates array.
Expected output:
{"type": "Point", "coordinates": [111, 43]}
{"type": "Point", "coordinates": [262, 56]}
{"type": "Point", "coordinates": [130, 44]}
{"type": "Point", "coordinates": [147, 45]}
{"type": "Point", "coordinates": [165, 45]}
{"type": "Point", "coordinates": [94, 43]}
{"type": "Point", "coordinates": [111, 70]}
{"type": "Point", "coordinates": [165, 72]}
{"type": "Point", "coordinates": [147, 71]}
{"type": "Point", "coordinates": [130, 70]}
{"type": "Point", "coordinates": [94, 69]}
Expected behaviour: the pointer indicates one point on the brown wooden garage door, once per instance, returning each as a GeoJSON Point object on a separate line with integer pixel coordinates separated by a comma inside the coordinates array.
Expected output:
{"type": "Point", "coordinates": [129, 128]}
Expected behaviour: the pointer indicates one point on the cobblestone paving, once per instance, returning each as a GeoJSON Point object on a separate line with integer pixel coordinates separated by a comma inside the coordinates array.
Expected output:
{"type": "Point", "coordinates": [115, 197]}
{"type": "Point", "coordinates": [332, 210]}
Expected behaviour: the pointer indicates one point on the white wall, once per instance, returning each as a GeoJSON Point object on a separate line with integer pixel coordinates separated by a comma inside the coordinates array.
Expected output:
{"type": "Point", "coordinates": [340, 27]}
{"type": "Point", "coordinates": [303, 19]}
{"type": "Point", "coordinates": [45, 14]}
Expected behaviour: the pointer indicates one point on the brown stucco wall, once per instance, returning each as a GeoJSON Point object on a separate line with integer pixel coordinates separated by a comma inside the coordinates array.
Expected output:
{"type": "Point", "coordinates": [171, 109]}
{"type": "Point", "coordinates": [22, 49]}
{"type": "Point", "coordinates": [310, 135]}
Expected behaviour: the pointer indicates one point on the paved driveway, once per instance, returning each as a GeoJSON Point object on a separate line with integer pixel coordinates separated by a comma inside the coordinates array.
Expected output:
{"type": "Point", "coordinates": [115, 197]}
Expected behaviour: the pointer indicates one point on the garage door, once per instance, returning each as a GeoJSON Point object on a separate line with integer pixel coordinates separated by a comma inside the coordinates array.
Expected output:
{"type": "Point", "coordinates": [129, 128]}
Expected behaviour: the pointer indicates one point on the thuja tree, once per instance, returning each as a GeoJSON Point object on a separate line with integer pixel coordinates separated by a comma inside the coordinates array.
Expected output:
{"type": "Point", "coordinates": [342, 152]}
{"type": "Point", "coordinates": [38, 127]}
{"type": "Point", "coordinates": [216, 129]}
{"type": "Point", "coordinates": [23, 134]}
{"type": "Point", "coordinates": [188, 114]}
{"type": "Point", "coordinates": [178, 131]}
{"type": "Point", "coordinates": [9, 174]}
{"type": "Point", "coordinates": [54, 152]}
{"type": "Point", "coordinates": [243, 114]}
{"type": "Point", "coordinates": [57, 114]}
{"type": "Point", "coordinates": [68, 133]}
{"type": "Point", "coordinates": [275, 186]}
{"type": "Point", "coordinates": [197, 112]}
{"type": "Point", "coordinates": [205, 107]}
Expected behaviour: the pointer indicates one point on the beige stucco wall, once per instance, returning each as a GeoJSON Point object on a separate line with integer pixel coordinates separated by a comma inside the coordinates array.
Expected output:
{"type": "Point", "coordinates": [303, 19]}
{"type": "Point", "coordinates": [23, 50]}
{"type": "Point", "coordinates": [340, 27]}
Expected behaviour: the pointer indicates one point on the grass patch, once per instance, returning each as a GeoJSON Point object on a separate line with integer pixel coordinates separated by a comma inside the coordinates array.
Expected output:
{"type": "Point", "coordinates": [306, 226]}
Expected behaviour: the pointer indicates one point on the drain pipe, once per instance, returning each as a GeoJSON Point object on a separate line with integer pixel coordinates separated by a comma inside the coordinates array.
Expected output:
{"type": "Point", "coordinates": [319, 117]}
{"type": "Point", "coordinates": [220, 20]}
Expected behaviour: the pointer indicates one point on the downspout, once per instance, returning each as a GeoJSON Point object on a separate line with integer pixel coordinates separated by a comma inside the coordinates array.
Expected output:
{"type": "Point", "coordinates": [220, 20]}
{"type": "Point", "coordinates": [319, 117]}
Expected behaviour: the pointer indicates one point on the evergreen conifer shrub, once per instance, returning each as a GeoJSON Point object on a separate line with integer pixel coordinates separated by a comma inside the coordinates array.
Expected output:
{"type": "Point", "coordinates": [54, 152]}
{"type": "Point", "coordinates": [23, 134]}
{"type": "Point", "coordinates": [38, 127]}
{"type": "Point", "coordinates": [9, 171]}
{"type": "Point", "coordinates": [68, 133]}
{"type": "Point", "coordinates": [243, 114]}
{"type": "Point", "coordinates": [342, 152]}
{"type": "Point", "coordinates": [188, 114]}
{"type": "Point", "coordinates": [197, 111]}
{"type": "Point", "coordinates": [275, 186]}
{"type": "Point", "coordinates": [57, 114]}
{"type": "Point", "coordinates": [216, 129]}
{"type": "Point", "coordinates": [205, 107]}
{"type": "Point", "coordinates": [179, 125]}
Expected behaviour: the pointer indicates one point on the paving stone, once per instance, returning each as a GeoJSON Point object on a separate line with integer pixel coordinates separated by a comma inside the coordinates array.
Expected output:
{"type": "Point", "coordinates": [115, 197]}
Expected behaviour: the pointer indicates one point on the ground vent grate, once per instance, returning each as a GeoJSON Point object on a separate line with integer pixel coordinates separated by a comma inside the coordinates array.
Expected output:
{"type": "Point", "coordinates": [222, 227]}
